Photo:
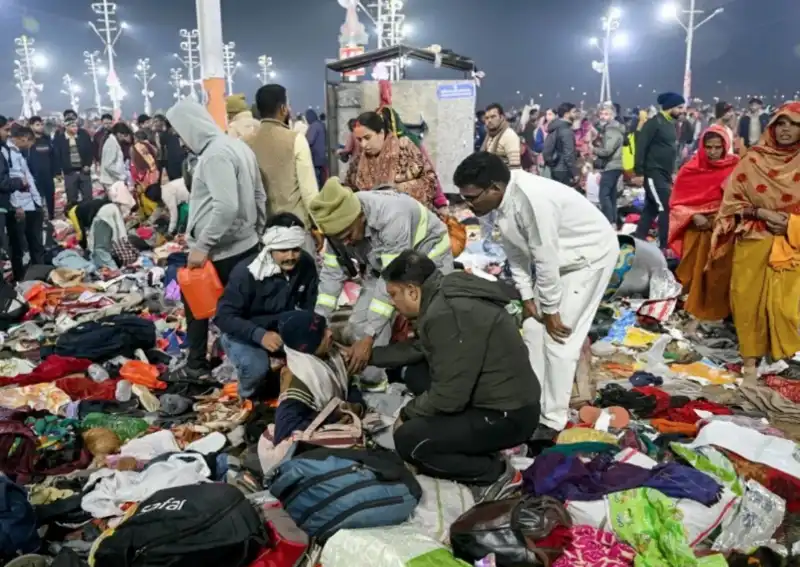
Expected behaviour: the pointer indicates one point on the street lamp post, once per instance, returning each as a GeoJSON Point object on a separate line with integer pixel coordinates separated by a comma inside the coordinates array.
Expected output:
{"type": "Point", "coordinates": [25, 66]}
{"type": "Point", "coordinates": [672, 11]}
{"type": "Point", "coordinates": [92, 60]}
{"type": "Point", "coordinates": [610, 23]}
{"type": "Point", "coordinates": [190, 46]}
{"type": "Point", "coordinates": [230, 64]}
{"type": "Point", "coordinates": [109, 33]}
{"type": "Point", "coordinates": [177, 82]}
{"type": "Point", "coordinates": [265, 71]}
{"type": "Point", "coordinates": [145, 77]}
{"type": "Point", "coordinates": [71, 90]}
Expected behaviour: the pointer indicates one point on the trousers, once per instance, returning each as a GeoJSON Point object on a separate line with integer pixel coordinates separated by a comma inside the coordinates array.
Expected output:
{"type": "Point", "coordinates": [252, 368]}
{"type": "Point", "coordinates": [657, 190]}
{"type": "Point", "coordinates": [465, 447]}
{"type": "Point", "coordinates": [372, 378]}
{"type": "Point", "coordinates": [30, 231]}
{"type": "Point", "coordinates": [556, 363]}
{"type": "Point", "coordinates": [608, 194]}
{"type": "Point", "coordinates": [78, 186]}
{"type": "Point", "coordinates": [197, 329]}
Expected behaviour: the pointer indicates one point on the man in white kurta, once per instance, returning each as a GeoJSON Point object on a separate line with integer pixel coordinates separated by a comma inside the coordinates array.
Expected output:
{"type": "Point", "coordinates": [561, 251]}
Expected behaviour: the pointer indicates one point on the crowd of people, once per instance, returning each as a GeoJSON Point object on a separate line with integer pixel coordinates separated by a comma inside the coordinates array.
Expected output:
{"type": "Point", "coordinates": [285, 240]}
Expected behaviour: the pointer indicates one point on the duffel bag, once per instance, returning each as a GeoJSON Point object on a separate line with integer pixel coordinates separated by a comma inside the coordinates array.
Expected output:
{"type": "Point", "coordinates": [199, 525]}
{"type": "Point", "coordinates": [325, 490]}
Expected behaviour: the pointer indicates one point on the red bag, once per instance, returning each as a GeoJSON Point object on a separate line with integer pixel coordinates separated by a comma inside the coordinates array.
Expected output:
{"type": "Point", "coordinates": [201, 289]}
{"type": "Point", "coordinates": [289, 543]}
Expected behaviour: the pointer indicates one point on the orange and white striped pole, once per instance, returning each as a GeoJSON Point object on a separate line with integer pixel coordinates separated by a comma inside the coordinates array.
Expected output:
{"type": "Point", "coordinates": [209, 26]}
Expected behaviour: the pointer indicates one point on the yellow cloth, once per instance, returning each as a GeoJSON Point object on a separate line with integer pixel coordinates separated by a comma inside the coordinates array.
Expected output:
{"type": "Point", "coordinates": [236, 103]}
{"type": "Point", "coordinates": [40, 495]}
{"type": "Point", "coordinates": [636, 337]}
{"type": "Point", "coordinates": [146, 206]}
{"type": "Point", "coordinates": [335, 207]}
{"type": "Point", "coordinates": [585, 435]}
{"type": "Point", "coordinates": [785, 252]}
{"type": "Point", "coordinates": [708, 299]}
{"type": "Point", "coordinates": [72, 215]}
{"type": "Point", "coordinates": [764, 302]}
{"type": "Point", "coordinates": [701, 370]}
{"type": "Point", "coordinates": [44, 396]}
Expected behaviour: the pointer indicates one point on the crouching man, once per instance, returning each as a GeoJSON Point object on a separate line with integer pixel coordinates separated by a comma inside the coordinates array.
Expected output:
{"type": "Point", "coordinates": [483, 395]}
{"type": "Point", "coordinates": [573, 249]}
{"type": "Point", "coordinates": [278, 280]}
{"type": "Point", "coordinates": [373, 228]}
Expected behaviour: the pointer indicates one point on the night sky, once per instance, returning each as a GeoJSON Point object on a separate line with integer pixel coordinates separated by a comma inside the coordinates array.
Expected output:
{"type": "Point", "coordinates": [531, 46]}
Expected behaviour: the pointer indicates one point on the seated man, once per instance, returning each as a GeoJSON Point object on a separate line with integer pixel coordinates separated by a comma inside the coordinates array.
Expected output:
{"type": "Point", "coordinates": [281, 278]}
{"type": "Point", "coordinates": [373, 227]}
{"type": "Point", "coordinates": [314, 374]}
{"type": "Point", "coordinates": [172, 197]}
{"type": "Point", "coordinates": [483, 395]}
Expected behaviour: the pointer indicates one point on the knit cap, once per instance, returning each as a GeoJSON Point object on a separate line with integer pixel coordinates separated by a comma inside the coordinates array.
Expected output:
{"type": "Point", "coordinates": [335, 207]}
{"type": "Point", "coordinates": [236, 103]}
{"type": "Point", "coordinates": [303, 331]}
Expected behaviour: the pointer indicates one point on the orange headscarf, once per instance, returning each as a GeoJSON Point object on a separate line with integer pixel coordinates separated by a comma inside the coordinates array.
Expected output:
{"type": "Point", "coordinates": [698, 187]}
{"type": "Point", "coordinates": [767, 177]}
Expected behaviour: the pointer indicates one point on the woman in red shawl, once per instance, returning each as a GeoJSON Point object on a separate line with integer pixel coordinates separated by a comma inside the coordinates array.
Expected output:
{"type": "Point", "coordinates": [696, 198]}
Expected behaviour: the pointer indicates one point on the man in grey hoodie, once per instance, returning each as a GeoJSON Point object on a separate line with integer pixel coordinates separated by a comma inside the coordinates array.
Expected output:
{"type": "Point", "coordinates": [609, 160]}
{"type": "Point", "coordinates": [227, 210]}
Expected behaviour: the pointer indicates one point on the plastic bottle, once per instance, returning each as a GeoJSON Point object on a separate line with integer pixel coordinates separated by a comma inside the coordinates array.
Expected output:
{"type": "Point", "coordinates": [123, 391]}
{"type": "Point", "coordinates": [98, 373]}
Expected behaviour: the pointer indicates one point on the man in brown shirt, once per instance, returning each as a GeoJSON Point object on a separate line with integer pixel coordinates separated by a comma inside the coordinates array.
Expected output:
{"type": "Point", "coordinates": [501, 139]}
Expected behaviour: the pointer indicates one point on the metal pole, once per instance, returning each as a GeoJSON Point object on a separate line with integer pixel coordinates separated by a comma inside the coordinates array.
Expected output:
{"type": "Point", "coordinates": [144, 76]}
{"type": "Point", "coordinates": [209, 24]}
{"type": "Point", "coordinates": [687, 74]}
{"type": "Point", "coordinates": [91, 62]}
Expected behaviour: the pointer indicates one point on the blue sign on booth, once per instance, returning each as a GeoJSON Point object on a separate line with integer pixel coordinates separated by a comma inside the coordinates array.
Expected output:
{"type": "Point", "coordinates": [455, 91]}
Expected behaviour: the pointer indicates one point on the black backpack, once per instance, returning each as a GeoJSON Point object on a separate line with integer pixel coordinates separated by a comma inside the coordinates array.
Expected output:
{"type": "Point", "coordinates": [109, 337]}
{"type": "Point", "coordinates": [200, 525]}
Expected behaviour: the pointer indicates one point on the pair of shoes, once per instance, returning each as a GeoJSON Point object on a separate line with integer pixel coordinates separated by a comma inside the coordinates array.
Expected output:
{"type": "Point", "coordinates": [188, 375]}
{"type": "Point", "coordinates": [503, 487]}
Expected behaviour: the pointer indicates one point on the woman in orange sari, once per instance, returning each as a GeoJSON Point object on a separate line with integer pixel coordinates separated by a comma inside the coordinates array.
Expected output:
{"type": "Point", "coordinates": [386, 159]}
{"type": "Point", "coordinates": [760, 220]}
{"type": "Point", "coordinates": [144, 172]}
{"type": "Point", "coordinates": [695, 201]}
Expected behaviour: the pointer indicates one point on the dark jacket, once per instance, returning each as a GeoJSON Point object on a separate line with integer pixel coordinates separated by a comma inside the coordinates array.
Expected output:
{"type": "Point", "coordinates": [559, 147]}
{"type": "Point", "coordinates": [316, 139]}
{"type": "Point", "coordinates": [249, 308]}
{"type": "Point", "coordinates": [85, 149]}
{"type": "Point", "coordinates": [172, 154]}
{"type": "Point", "coordinates": [472, 345]}
{"type": "Point", "coordinates": [98, 139]}
{"type": "Point", "coordinates": [744, 126]}
{"type": "Point", "coordinates": [8, 184]}
{"type": "Point", "coordinates": [42, 161]}
{"type": "Point", "coordinates": [657, 148]}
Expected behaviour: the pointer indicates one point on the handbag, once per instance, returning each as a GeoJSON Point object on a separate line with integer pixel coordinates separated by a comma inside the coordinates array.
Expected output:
{"type": "Point", "coordinates": [510, 529]}
{"type": "Point", "coordinates": [334, 436]}
{"type": "Point", "coordinates": [124, 252]}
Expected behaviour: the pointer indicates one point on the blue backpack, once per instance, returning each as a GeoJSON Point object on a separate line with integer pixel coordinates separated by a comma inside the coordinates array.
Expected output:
{"type": "Point", "coordinates": [325, 490]}
{"type": "Point", "coordinates": [17, 521]}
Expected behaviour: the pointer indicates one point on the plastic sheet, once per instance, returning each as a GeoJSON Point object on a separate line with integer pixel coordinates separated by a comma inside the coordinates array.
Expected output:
{"type": "Point", "coordinates": [758, 517]}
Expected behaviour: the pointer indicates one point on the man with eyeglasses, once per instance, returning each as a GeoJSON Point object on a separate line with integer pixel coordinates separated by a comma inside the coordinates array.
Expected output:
{"type": "Point", "coordinates": [573, 250]}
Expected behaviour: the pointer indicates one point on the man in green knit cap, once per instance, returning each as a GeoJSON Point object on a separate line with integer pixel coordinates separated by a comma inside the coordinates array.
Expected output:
{"type": "Point", "coordinates": [373, 228]}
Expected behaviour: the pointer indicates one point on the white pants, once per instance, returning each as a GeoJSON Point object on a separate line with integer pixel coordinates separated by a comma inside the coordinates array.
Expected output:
{"type": "Point", "coordinates": [555, 363]}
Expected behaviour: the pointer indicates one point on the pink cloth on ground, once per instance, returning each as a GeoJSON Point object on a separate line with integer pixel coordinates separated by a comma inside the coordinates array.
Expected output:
{"type": "Point", "coordinates": [591, 547]}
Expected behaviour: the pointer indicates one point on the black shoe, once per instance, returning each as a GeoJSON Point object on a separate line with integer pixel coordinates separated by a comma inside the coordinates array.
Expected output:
{"type": "Point", "coordinates": [504, 487]}
{"type": "Point", "coordinates": [188, 375]}
{"type": "Point", "coordinates": [544, 433]}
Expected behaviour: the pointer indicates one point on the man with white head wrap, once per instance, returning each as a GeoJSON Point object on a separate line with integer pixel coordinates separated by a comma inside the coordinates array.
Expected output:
{"type": "Point", "coordinates": [280, 279]}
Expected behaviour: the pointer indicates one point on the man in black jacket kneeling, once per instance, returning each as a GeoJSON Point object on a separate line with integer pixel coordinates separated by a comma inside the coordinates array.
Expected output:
{"type": "Point", "coordinates": [483, 395]}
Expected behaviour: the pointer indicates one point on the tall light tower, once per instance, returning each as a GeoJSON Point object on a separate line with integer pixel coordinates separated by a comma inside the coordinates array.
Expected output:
{"type": "Point", "coordinates": [190, 48]}
{"type": "Point", "coordinates": [108, 31]}
{"type": "Point", "coordinates": [611, 38]}
{"type": "Point", "coordinates": [265, 71]}
{"type": "Point", "coordinates": [95, 70]}
{"type": "Point", "coordinates": [145, 77]}
{"type": "Point", "coordinates": [71, 89]}
{"type": "Point", "coordinates": [177, 82]}
{"type": "Point", "coordinates": [230, 64]}
{"type": "Point", "coordinates": [675, 12]}
{"type": "Point", "coordinates": [25, 66]}
{"type": "Point", "coordinates": [390, 24]}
